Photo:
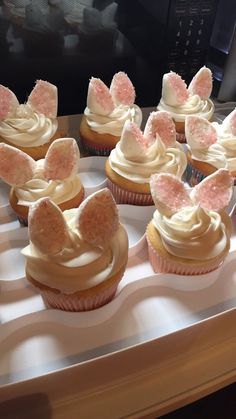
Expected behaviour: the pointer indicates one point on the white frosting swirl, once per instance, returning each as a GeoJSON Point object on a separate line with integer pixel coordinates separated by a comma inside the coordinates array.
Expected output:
{"type": "Point", "coordinates": [194, 105]}
{"type": "Point", "coordinates": [192, 233]}
{"type": "Point", "coordinates": [57, 190]}
{"type": "Point", "coordinates": [114, 122]}
{"type": "Point", "coordinates": [156, 158]}
{"type": "Point", "coordinates": [79, 265]}
{"type": "Point", "coordinates": [222, 154]}
{"type": "Point", "coordinates": [27, 128]}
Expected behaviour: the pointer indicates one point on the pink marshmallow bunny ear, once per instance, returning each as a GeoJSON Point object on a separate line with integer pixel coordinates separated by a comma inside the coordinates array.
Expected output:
{"type": "Point", "coordinates": [201, 83]}
{"type": "Point", "coordinates": [215, 191]}
{"type": "Point", "coordinates": [169, 193]}
{"type": "Point", "coordinates": [62, 159]}
{"type": "Point", "coordinates": [162, 124]}
{"type": "Point", "coordinates": [47, 227]}
{"type": "Point", "coordinates": [43, 99]}
{"type": "Point", "coordinates": [98, 219]}
{"type": "Point", "coordinates": [199, 132]}
{"type": "Point", "coordinates": [16, 167]}
{"type": "Point", "coordinates": [230, 121]}
{"type": "Point", "coordinates": [174, 89]}
{"type": "Point", "coordinates": [132, 141]}
{"type": "Point", "coordinates": [122, 89]}
{"type": "Point", "coordinates": [8, 103]}
{"type": "Point", "coordinates": [99, 99]}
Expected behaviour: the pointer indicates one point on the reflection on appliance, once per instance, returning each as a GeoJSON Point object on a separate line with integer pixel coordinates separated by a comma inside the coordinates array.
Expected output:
{"type": "Point", "coordinates": [222, 53]}
{"type": "Point", "coordinates": [68, 41]}
{"type": "Point", "coordinates": [169, 34]}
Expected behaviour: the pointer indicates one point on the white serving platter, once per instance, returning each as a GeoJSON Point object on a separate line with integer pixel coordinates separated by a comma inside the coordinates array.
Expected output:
{"type": "Point", "coordinates": [35, 340]}
{"type": "Point", "coordinates": [156, 325]}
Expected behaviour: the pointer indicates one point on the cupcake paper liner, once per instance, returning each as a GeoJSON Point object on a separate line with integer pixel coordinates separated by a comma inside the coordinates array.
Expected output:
{"type": "Point", "coordinates": [71, 302]}
{"type": "Point", "coordinates": [193, 176]}
{"type": "Point", "coordinates": [164, 265]}
{"type": "Point", "coordinates": [122, 196]}
{"type": "Point", "coordinates": [96, 150]}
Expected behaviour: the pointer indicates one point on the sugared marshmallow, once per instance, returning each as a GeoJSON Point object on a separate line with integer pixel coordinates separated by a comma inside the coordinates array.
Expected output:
{"type": "Point", "coordinates": [201, 83]}
{"type": "Point", "coordinates": [99, 99]}
{"type": "Point", "coordinates": [199, 132]}
{"type": "Point", "coordinates": [169, 193]}
{"type": "Point", "coordinates": [62, 159]}
{"type": "Point", "coordinates": [16, 167]}
{"type": "Point", "coordinates": [132, 143]}
{"type": "Point", "coordinates": [8, 103]}
{"type": "Point", "coordinates": [215, 191]}
{"type": "Point", "coordinates": [160, 124]}
{"type": "Point", "coordinates": [47, 227]}
{"type": "Point", "coordinates": [122, 90]}
{"type": "Point", "coordinates": [174, 89]}
{"type": "Point", "coordinates": [97, 218]}
{"type": "Point", "coordinates": [43, 99]}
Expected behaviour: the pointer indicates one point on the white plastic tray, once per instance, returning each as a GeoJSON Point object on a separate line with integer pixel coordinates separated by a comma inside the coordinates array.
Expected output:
{"type": "Point", "coordinates": [35, 341]}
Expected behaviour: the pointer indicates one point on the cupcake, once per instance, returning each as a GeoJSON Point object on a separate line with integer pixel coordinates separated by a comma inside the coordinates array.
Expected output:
{"type": "Point", "coordinates": [78, 265]}
{"type": "Point", "coordinates": [32, 126]}
{"type": "Point", "coordinates": [139, 155]}
{"type": "Point", "coordinates": [106, 112]}
{"type": "Point", "coordinates": [181, 101]}
{"type": "Point", "coordinates": [55, 177]}
{"type": "Point", "coordinates": [211, 146]}
{"type": "Point", "coordinates": [189, 233]}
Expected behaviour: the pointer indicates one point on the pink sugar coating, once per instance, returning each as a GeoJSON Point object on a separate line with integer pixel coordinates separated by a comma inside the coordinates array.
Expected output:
{"type": "Point", "coordinates": [61, 159]}
{"type": "Point", "coordinates": [202, 84]}
{"type": "Point", "coordinates": [179, 87]}
{"type": "Point", "coordinates": [98, 218]}
{"type": "Point", "coordinates": [162, 124]}
{"type": "Point", "coordinates": [122, 89]}
{"type": "Point", "coordinates": [170, 191]}
{"type": "Point", "coordinates": [47, 227]}
{"type": "Point", "coordinates": [215, 191]}
{"type": "Point", "coordinates": [102, 94]}
{"type": "Point", "coordinates": [202, 131]}
{"type": "Point", "coordinates": [7, 102]}
{"type": "Point", "coordinates": [43, 98]}
{"type": "Point", "coordinates": [16, 167]}
{"type": "Point", "coordinates": [138, 135]}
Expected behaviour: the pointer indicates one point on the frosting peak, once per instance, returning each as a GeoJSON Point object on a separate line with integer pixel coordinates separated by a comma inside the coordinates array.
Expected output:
{"type": "Point", "coordinates": [108, 108]}
{"type": "Point", "coordinates": [220, 153]}
{"type": "Point", "coordinates": [181, 101]}
{"type": "Point", "coordinates": [192, 226]}
{"type": "Point", "coordinates": [83, 247]}
{"type": "Point", "coordinates": [137, 157]}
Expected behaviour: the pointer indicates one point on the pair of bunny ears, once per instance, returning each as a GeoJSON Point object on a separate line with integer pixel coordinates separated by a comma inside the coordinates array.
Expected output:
{"type": "Point", "coordinates": [61, 162]}
{"type": "Point", "coordinates": [175, 91]}
{"type": "Point", "coordinates": [43, 100]}
{"type": "Point", "coordinates": [96, 220]}
{"type": "Point", "coordinates": [200, 132]}
{"type": "Point", "coordinates": [159, 125]}
{"type": "Point", "coordinates": [103, 100]}
{"type": "Point", "coordinates": [170, 194]}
